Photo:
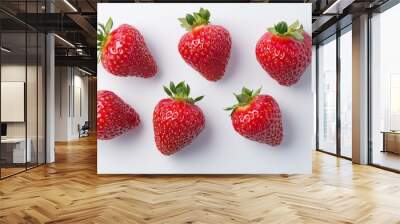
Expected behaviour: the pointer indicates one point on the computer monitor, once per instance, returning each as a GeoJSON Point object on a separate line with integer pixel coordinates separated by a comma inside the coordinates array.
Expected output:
{"type": "Point", "coordinates": [3, 129]}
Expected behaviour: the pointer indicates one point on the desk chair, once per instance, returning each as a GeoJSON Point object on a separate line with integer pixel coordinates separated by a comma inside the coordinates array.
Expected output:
{"type": "Point", "coordinates": [84, 130]}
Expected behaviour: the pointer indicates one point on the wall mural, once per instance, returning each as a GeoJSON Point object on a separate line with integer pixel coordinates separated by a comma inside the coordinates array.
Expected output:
{"type": "Point", "coordinates": [168, 75]}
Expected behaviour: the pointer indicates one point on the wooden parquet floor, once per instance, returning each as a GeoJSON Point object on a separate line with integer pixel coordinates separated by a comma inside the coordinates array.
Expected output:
{"type": "Point", "coordinates": [70, 191]}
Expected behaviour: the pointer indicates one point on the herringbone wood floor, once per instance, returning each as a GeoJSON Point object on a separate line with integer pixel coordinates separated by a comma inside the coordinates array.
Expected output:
{"type": "Point", "coordinates": [69, 191]}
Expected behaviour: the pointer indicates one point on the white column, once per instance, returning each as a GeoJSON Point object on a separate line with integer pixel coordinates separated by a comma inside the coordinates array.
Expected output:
{"type": "Point", "coordinates": [360, 90]}
{"type": "Point", "coordinates": [50, 94]}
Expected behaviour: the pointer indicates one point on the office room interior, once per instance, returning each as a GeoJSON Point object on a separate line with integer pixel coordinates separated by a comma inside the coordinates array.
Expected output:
{"type": "Point", "coordinates": [337, 161]}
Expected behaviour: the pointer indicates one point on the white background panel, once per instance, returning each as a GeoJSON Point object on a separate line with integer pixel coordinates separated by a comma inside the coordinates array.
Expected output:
{"type": "Point", "coordinates": [218, 149]}
{"type": "Point", "coordinates": [12, 101]}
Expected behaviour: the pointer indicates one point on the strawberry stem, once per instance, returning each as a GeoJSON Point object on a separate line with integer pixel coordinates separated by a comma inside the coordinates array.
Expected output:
{"type": "Point", "coordinates": [244, 98]}
{"type": "Point", "coordinates": [282, 29]}
{"type": "Point", "coordinates": [190, 21]}
{"type": "Point", "coordinates": [102, 35]}
{"type": "Point", "coordinates": [181, 91]}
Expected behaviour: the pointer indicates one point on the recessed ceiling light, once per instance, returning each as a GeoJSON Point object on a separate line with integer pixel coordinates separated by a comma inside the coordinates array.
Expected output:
{"type": "Point", "coordinates": [338, 6]}
{"type": "Point", "coordinates": [5, 50]}
{"type": "Point", "coordinates": [64, 40]}
{"type": "Point", "coordinates": [70, 5]}
{"type": "Point", "coordinates": [84, 71]}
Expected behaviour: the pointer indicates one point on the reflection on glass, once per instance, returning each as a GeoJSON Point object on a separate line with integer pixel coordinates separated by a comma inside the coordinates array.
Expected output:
{"type": "Point", "coordinates": [13, 86]}
{"type": "Point", "coordinates": [22, 90]}
{"type": "Point", "coordinates": [31, 100]}
{"type": "Point", "coordinates": [346, 94]}
{"type": "Point", "coordinates": [41, 99]}
{"type": "Point", "coordinates": [385, 90]}
{"type": "Point", "coordinates": [327, 96]}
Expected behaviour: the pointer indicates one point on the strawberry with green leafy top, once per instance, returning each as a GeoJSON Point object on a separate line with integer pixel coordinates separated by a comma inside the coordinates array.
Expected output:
{"type": "Point", "coordinates": [123, 51]}
{"type": "Point", "coordinates": [284, 52]}
{"type": "Point", "coordinates": [177, 121]}
{"type": "Point", "coordinates": [205, 47]}
{"type": "Point", "coordinates": [257, 117]}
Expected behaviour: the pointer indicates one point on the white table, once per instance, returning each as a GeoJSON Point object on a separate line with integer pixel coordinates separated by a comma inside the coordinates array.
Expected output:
{"type": "Point", "coordinates": [19, 155]}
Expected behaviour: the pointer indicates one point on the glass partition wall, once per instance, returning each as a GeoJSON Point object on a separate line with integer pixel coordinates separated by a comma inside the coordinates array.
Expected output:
{"type": "Point", "coordinates": [22, 77]}
{"type": "Point", "coordinates": [345, 92]}
{"type": "Point", "coordinates": [327, 95]}
{"type": "Point", "coordinates": [334, 89]}
{"type": "Point", "coordinates": [385, 90]}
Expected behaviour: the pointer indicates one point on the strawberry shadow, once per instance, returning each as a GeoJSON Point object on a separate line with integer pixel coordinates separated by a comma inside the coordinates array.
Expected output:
{"type": "Point", "coordinates": [288, 131]}
{"type": "Point", "coordinates": [199, 146]}
{"type": "Point", "coordinates": [304, 82]}
{"type": "Point", "coordinates": [131, 135]}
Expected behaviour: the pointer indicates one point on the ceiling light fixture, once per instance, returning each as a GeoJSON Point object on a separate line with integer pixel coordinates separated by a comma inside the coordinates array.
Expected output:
{"type": "Point", "coordinates": [70, 5]}
{"type": "Point", "coordinates": [5, 50]}
{"type": "Point", "coordinates": [64, 40]}
{"type": "Point", "coordinates": [337, 7]}
{"type": "Point", "coordinates": [84, 71]}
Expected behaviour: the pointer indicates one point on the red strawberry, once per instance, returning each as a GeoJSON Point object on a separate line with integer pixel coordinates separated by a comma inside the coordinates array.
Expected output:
{"type": "Point", "coordinates": [205, 47]}
{"type": "Point", "coordinates": [285, 52]}
{"type": "Point", "coordinates": [114, 116]}
{"type": "Point", "coordinates": [177, 120]}
{"type": "Point", "coordinates": [257, 117]}
{"type": "Point", "coordinates": [123, 52]}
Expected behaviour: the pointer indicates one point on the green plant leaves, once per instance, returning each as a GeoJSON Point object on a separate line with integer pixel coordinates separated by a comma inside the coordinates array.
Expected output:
{"type": "Point", "coordinates": [190, 19]}
{"type": "Point", "coordinates": [244, 98]}
{"type": "Point", "coordinates": [199, 18]}
{"type": "Point", "coordinates": [295, 30]}
{"type": "Point", "coordinates": [198, 98]}
{"type": "Point", "coordinates": [102, 35]}
{"type": "Point", "coordinates": [168, 91]}
{"type": "Point", "coordinates": [180, 91]}
{"type": "Point", "coordinates": [204, 13]}
{"type": "Point", "coordinates": [108, 26]}
{"type": "Point", "coordinates": [281, 27]}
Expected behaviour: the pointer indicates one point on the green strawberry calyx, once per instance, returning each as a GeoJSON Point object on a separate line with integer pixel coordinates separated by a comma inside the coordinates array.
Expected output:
{"type": "Point", "coordinates": [244, 98]}
{"type": "Point", "coordinates": [181, 92]}
{"type": "Point", "coordinates": [191, 21]}
{"type": "Point", "coordinates": [295, 30]}
{"type": "Point", "coordinates": [103, 32]}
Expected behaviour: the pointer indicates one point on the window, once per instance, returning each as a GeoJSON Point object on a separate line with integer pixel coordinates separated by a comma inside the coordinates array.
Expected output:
{"type": "Point", "coordinates": [385, 90]}
{"type": "Point", "coordinates": [334, 106]}
{"type": "Point", "coordinates": [327, 96]}
{"type": "Point", "coordinates": [346, 93]}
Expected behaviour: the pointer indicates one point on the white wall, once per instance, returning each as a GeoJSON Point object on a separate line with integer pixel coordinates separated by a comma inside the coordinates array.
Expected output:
{"type": "Point", "coordinates": [61, 103]}
{"type": "Point", "coordinates": [314, 87]}
{"type": "Point", "coordinates": [70, 83]}
{"type": "Point", "coordinates": [81, 84]}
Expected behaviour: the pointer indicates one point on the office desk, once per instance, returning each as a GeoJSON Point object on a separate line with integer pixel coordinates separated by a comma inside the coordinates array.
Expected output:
{"type": "Point", "coordinates": [16, 147]}
{"type": "Point", "coordinates": [391, 141]}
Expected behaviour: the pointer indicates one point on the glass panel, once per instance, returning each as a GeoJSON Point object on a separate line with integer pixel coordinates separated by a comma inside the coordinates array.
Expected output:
{"type": "Point", "coordinates": [41, 99]}
{"type": "Point", "coordinates": [385, 90]}
{"type": "Point", "coordinates": [346, 93]}
{"type": "Point", "coordinates": [327, 96]}
{"type": "Point", "coordinates": [31, 100]}
{"type": "Point", "coordinates": [314, 79]}
{"type": "Point", "coordinates": [32, 88]}
{"type": "Point", "coordinates": [13, 87]}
